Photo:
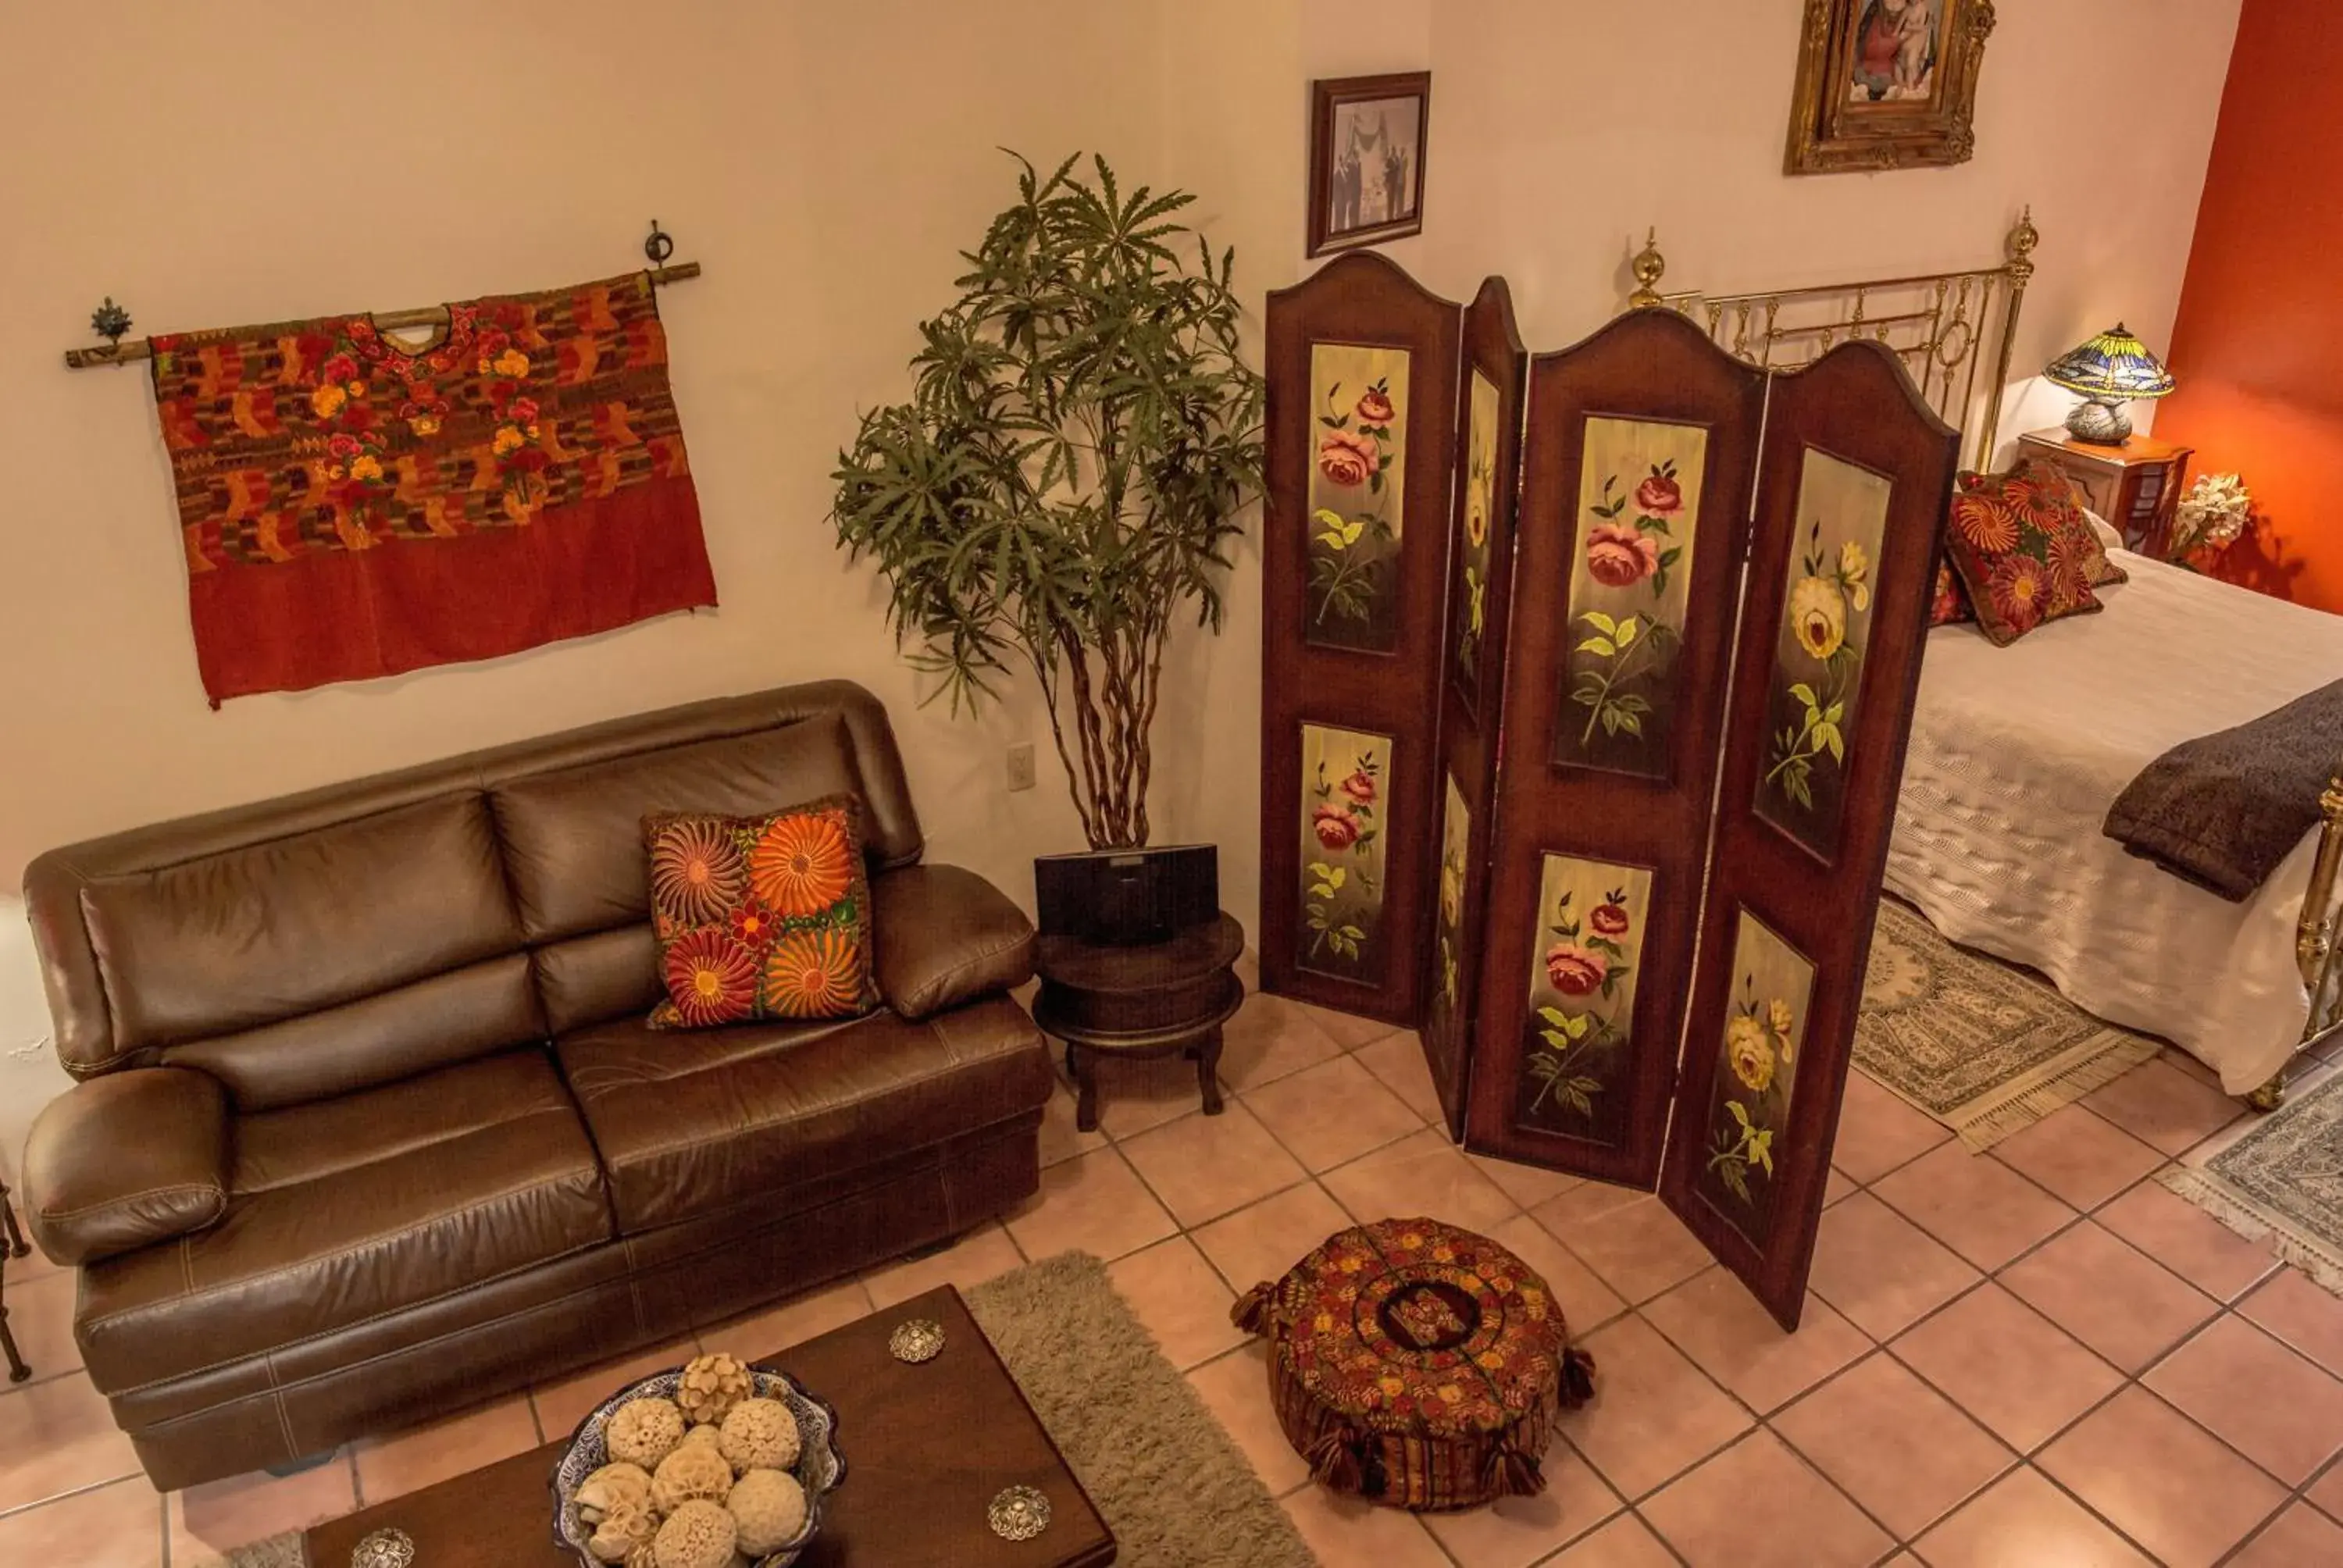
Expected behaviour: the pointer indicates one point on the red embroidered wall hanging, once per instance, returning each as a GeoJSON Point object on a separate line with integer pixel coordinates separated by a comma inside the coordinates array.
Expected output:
{"type": "Point", "coordinates": [354, 506]}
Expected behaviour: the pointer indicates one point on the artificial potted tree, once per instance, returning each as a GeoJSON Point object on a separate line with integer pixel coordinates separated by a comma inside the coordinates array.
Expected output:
{"type": "Point", "coordinates": [1062, 485]}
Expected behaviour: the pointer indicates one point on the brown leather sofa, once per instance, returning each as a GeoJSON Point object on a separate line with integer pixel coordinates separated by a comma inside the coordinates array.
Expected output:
{"type": "Point", "coordinates": [369, 1126]}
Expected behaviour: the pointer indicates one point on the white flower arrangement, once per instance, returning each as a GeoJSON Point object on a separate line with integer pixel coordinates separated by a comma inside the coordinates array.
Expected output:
{"type": "Point", "coordinates": [2216, 510]}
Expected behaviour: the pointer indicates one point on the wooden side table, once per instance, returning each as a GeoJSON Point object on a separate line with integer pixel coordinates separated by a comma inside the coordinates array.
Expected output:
{"type": "Point", "coordinates": [1140, 1001]}
{"type": "Point", "coordinates": [2135, 486]}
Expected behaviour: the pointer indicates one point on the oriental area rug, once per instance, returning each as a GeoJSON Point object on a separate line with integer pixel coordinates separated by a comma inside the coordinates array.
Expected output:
{"type": "Point", "coordinates": [2282, 1181]}
{"type": "Point", "coordinates": [1984, 1047]}
{"type": "Point", "coordinates": [1172, 1486]}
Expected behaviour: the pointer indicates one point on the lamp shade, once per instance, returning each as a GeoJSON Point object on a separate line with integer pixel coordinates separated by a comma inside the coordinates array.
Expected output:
{"type": "Point", "coordinates": [2113, 365]}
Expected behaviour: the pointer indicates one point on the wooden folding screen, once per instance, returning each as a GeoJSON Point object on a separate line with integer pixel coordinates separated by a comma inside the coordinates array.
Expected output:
{"type": "Point", "coordinates": [1643, 442]}
{"type": "Point", "coordinates": [1665, 753]}
{"type": "Point", "coordinates": [1472, 694]}
{"type": "Point", "coordinates": [1363, 377]}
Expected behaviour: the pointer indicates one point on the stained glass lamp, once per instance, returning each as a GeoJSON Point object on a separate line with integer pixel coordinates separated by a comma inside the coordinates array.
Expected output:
{"type": "Point", "coordinates": [2109, 371]}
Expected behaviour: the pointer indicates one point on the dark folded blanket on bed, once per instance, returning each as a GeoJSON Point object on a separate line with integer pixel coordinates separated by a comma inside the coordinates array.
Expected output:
{"type": "Point", "coordinates": [2224, 810]}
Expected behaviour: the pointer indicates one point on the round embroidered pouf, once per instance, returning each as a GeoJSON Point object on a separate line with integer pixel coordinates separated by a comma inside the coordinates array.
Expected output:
{"type": "Point", "coordinates": [1417, 1365]}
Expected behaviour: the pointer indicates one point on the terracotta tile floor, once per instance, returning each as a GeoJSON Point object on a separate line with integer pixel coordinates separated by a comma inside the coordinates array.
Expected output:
{"type": "Point", "coordinates": [2035, 1358]}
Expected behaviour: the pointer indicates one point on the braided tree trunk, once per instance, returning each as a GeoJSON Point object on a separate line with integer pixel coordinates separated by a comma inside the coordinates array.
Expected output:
{"type": "Point", "coordinates": [1101, 700]}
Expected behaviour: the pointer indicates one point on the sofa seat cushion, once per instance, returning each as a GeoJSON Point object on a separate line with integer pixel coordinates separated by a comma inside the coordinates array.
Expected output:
{"type": "Point", "coordinates": [691, 1123]}
{"type": "Point", "coordinates": [350, 1209]}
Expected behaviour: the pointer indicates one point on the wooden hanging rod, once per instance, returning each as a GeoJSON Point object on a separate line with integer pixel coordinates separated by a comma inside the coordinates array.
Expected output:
{"type": "Point", "coordinates": [392, 321]}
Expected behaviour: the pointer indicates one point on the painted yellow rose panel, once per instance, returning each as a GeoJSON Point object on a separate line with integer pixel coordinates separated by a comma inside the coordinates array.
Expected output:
{"type": "Point", "coordinates": [1817, 680]}
{"type": "Point", "coordinates": [1639, 487]}
{"type": "Point", "coordinates": [1757, 1072]}
{"type": "Point", "coordinates": [1577, 1045]}
{"type": "Point", "coordinates": [1471, 612]}
{"type": "Point", "coordinates": [1358, 478]}
{"type": "Point", "coordinates": [1344, 775]}
{"type": "Point", "coordinates": [1455, 837]}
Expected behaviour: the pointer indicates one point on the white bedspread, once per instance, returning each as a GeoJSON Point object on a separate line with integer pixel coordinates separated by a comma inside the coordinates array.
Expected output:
{"type": "Point", "coordinates": [2016, 754]}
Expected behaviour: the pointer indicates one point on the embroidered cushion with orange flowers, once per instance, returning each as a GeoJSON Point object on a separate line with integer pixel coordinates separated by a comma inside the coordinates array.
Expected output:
{"type": "Point", "coordinates": [761, 917]}
{"type": "Point", "coordinates": [2023, 551]}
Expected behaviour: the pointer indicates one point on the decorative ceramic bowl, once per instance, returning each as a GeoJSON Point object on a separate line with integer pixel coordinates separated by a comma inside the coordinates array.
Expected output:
{"type": "Point", "coordinates": [818, 1468]}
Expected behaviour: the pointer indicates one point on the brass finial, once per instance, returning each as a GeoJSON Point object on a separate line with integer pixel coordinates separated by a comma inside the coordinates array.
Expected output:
{"type": "Point", "coordinates": [1648, 265]}
{"type": "Point", "coordinates": [2021, 243]}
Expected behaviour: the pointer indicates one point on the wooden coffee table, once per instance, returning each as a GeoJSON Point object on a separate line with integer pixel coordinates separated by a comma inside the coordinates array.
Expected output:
{"type": "Point", "coordinates": [926, 1449]}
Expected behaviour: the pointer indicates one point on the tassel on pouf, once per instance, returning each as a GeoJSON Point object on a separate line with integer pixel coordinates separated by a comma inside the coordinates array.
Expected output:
{"type": "Point", "coordinates": [1333, 1459]}
{"type": "Point", "coordinates": [1250, 1311]}
{"type": "Point", "coordinates": [1508, 1470]}
{"type": "Point", "coordinates": [1577, 1377]}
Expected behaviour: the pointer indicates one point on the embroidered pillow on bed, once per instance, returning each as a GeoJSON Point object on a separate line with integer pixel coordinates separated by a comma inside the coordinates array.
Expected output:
{"type": "Point", "coordinates": [1950, 606]}
{"type": "Point", "coordinates": [761, 917]}
{"type": "Point", "coordinates": [2039, 491]}
{"type": "Point", "coordinates": [2022, 552]}
{"type": "Point", "coordinates": [2050, 496]}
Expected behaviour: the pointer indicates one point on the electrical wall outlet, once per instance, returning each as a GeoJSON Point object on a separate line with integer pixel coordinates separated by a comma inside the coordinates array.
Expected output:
{"type": "Point", "coordinates": [1021, 766]}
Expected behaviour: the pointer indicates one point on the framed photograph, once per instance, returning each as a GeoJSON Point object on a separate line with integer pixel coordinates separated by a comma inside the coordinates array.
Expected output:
{"type": "Point", "coordinates": [1367, 136]}
{"type": "Point", "coordinates": [1887, 84]}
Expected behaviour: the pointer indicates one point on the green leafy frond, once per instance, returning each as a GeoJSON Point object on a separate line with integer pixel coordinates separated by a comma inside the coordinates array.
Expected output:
{"type": "Point", "coordinates": [1080, 437]}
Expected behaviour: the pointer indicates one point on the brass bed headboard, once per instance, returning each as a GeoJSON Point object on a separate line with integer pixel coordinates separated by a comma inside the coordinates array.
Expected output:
{"type": "Point", "coordinates": [1954, 330]}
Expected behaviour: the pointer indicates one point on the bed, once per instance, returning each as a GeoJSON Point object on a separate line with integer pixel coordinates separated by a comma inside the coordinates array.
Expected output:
{"type": "Point", "coordinates": [2017, 752]}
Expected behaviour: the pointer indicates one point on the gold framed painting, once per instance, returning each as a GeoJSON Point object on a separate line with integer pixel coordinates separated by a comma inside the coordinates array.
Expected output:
{"type": "Point", "coordinates": [1887, 84]}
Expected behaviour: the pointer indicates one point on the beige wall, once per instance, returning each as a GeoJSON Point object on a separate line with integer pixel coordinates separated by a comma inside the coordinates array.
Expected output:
{"type": "Point", "coordinates": [244, 161]}
{"type": "Point", "coordinates": [252, 161]}
{"type": "Point", "coordinates": [241, 161]}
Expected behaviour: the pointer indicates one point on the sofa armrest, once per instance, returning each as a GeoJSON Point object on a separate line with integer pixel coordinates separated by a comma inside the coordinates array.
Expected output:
{"type": "Point", "coordinates": [944, 936]}
{"type": "Point", "coordinates": [124, 1161]}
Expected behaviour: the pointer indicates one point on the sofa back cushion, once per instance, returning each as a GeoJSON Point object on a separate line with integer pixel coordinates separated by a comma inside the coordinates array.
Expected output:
{"type": "Point", "coordinates": [574, 839]}
{"type": "Point", "coordinates": [320, 943]}
{"type": "Point", "coordinates": [322, 960]}
{"type": "Point", "coordinates": [580, 874]}
{"type": "Point", "coordinates": [431, 1022]}
{"type": "Point", "coordinates": [591, 980]}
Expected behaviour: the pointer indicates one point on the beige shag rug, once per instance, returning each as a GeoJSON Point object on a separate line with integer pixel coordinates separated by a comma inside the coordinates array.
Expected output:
{"type": "Point", "coordinates": [1986, 1047]}
{"type": "Point", "coordinates": [1174, 1488]}
{"type": "Point", "coordinates": [277, 1551]}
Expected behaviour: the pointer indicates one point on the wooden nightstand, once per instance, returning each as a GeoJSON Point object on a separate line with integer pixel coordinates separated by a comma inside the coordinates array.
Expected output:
{"type": "Point", "coordinates": [2135, 486]}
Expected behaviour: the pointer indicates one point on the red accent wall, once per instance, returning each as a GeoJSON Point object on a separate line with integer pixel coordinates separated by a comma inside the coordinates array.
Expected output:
{"type": "Point", "coordinates": [2257, 349]}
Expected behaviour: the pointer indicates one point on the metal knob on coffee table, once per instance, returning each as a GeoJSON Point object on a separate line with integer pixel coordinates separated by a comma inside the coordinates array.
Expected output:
{"type": "Point", "coordinates": [917, 1339]}
{"type": "Point", "coordinates": [384, 1549]}
{"type": "Point", "coordinates": [1018, 1512]}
